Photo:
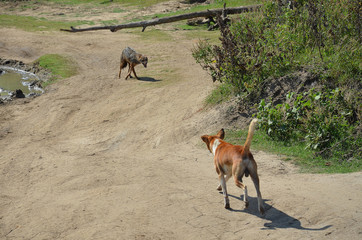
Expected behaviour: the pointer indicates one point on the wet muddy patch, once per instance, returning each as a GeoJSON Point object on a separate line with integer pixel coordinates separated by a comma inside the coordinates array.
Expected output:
{"type": "Point", "coordinates": [20, 80]}
{"type": "Point", "coordinates": [12, 79]}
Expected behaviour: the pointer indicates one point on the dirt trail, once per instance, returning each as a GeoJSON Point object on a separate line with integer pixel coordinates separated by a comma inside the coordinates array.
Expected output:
{"type": "Point", "coordinates": [97, 157]}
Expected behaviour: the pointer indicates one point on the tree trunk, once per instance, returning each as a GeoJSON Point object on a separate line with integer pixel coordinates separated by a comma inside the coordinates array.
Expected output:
{"type": "Point", "coordinates": [144, 24]}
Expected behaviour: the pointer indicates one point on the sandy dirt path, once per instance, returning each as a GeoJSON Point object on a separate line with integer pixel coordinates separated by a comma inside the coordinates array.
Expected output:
{"type": "Point", "coordinates": [97, 157]}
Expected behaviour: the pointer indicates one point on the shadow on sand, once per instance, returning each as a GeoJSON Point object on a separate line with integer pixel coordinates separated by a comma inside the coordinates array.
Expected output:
{"type": "Point", "coordinates": [148, 79]}
{"type": "Point", "coordinates": [277, 218]}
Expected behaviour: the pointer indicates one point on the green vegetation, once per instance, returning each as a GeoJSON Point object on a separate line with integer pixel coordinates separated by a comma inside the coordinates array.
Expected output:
{"type": "Point", "coordinates": [142, 3]}
{"type": "Point", "coordinates": [278, 40]}
{"type": "Point", "coordinates": [118, 10]}
{"type": "Point", "coordinates": [213, 5]}
{"type": "Point", "coordinates": [126, 2]}
{"type": "Point", "coordinates": [115, 6]}
{"type": "Point", "coordinates": [322, 120]}
{"type": "Point", "coordinates": [211, 36]}
{"type": "Point", "coordinates": [324, 39]}
{"type": "Point", "coordinates": [195, 8]}
{"type": "Point", "coordinates": [139, 3]}
{"type": "Point", "coordinates": [60, 66]}
{"type": "Point", "coordinates": [36, 24]}
{"type": "Point", "coordinates": [220, 94]}
{"type": "Point", "coordinates": [298, 153]}
{"type": "Point", "coordinates": [152, 35]}
{"type": "Point", "coordinates": [185, 26]}
{"type": "Point", "coordinates": [110, 22]}
{"type": "Point", "coordinates": [42, 24]}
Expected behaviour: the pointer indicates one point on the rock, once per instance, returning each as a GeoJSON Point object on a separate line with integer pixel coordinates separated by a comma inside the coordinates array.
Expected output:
{"type": "Point", "coordinates": [42, 74]}
{"type": "Point", "coordinates": [19, 93]}
{"type": "Point", "coordinates": [35, 83]}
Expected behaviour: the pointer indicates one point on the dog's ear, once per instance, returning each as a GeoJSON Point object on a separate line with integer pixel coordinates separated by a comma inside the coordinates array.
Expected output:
{"type": "Point", "coordinates": [206, 139]}
{"type": "Point", "coordinates": [221, 134]}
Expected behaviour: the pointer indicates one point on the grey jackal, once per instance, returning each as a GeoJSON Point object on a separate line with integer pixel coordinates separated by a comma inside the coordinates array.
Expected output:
{"type": "Point", "coordinates": [132, 58]}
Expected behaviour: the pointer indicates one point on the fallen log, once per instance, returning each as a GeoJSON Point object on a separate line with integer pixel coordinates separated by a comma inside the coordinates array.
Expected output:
{"type": "Point", "coordinates": [156, 21]}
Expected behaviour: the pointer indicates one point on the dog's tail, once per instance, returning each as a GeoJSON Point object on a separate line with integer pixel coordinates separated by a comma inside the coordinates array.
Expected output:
{"type": "Point", "coordinates": [252, 127]}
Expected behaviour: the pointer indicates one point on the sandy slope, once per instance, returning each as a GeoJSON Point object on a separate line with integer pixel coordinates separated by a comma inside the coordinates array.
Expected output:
{"type": "Point", "coordinates": [96, 157]}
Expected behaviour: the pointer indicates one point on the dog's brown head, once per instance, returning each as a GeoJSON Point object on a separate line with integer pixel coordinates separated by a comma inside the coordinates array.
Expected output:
{"type": "Point", "coordinates": [210, 140]}
{"type": "Point", "coordinates": [144, 61]}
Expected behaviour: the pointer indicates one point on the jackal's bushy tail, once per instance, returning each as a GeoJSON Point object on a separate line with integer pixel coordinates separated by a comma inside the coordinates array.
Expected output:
{"type": "Point", "coordinates": [252, 127]}
{"type": "Point", "coordinates": [123, 62]}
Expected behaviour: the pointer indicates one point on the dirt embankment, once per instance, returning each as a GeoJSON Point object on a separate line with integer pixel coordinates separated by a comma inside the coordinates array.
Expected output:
{"type": "Point", "coordinates": [97, 157]}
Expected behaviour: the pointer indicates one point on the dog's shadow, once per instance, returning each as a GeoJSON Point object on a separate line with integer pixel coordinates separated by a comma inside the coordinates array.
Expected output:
{"type": "Point", "coordinates": [277, 218]}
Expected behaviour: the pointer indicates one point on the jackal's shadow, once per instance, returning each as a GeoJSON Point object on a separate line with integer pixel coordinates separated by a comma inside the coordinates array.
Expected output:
{"type": "Point", "coordinates": [148, 79]}
{"type": "Point", "coordinates": [277, 218]}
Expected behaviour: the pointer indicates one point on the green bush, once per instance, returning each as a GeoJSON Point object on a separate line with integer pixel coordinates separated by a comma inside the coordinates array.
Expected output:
{"type": "Point", "coordinates": [323, 119]}
{"type": "Point", "coordinates": [320, 36]}
{"type": "Point", "coordinates": [283, 37]}
{"type": "Point", "coordinates": [282, 122]}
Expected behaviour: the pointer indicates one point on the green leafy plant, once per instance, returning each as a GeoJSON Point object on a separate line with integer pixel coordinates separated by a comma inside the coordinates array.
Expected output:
{"type": "Point", "coordinates": [322, 119]}
{"type": "Point", "coordinates": [321, 37]}
{"type": "Point", "coordinates": [286, 36]}
{"type": "Point", "coordinates": [330, 122]}
{"type": "Point", "coordinates": [282, 122]}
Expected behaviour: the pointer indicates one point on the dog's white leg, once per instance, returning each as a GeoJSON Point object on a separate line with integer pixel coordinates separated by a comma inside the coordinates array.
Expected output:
{"type": "Point", "coordinates": [219, 188]}
{"type": "Point", "coordinates": [224, 191]}
{"type": "Point", "coordinates": [255, 178]}
{"type": "Point", "coordinates": [246, 197]}
{"type": "Point", "coordinates": [261, 205]}
{"type": "Point", "coordinates": [238, 172]}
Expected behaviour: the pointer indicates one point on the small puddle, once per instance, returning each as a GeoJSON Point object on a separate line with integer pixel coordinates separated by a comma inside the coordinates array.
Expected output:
{"type": "Point", "coordinates": [12, 79]}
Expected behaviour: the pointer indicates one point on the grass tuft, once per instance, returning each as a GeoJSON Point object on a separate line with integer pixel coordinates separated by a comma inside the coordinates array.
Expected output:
{"type": "Point", "coordinates": [60, 66]}
{"type": "Point", "coordinates": [219, 95]}
{"type": "Point", "coordinates": [37, 24]}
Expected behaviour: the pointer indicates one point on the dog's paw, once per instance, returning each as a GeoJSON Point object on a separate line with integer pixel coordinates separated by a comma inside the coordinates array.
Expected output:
{"type": "Point", "coordinates": [219, 188]}
{"type": "Point", "coordinates": [262, 211]}
{"type": "Point", "coordinates": [226, 203]}
{"type": "Point", "coordinates": [246, 204]}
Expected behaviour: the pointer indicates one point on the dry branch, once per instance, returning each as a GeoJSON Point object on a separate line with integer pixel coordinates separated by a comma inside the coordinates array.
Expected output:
{"type": "Point", "coordinates": [144, 24]}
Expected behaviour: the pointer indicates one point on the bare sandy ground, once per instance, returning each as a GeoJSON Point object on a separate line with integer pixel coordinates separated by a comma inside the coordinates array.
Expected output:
{"type": "Point", "coordinates": [97, 157]}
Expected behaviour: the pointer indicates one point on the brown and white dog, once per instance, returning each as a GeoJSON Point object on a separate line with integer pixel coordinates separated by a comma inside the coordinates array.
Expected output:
{"type": "Point", "coordinates": [234, 160]}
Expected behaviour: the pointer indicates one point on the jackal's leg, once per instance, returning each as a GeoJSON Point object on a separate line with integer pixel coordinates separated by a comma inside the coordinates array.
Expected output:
{"type": "Point", "coordinates": [134, 72]}
{"type": "Point", "coordinates": [122, 65]}
{"type": "Point", "coordinates": [120, 70]}
{"type": "Point", "coordinates": [129, 71]}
